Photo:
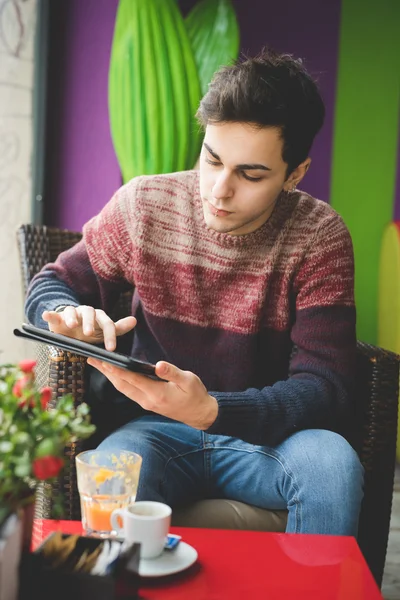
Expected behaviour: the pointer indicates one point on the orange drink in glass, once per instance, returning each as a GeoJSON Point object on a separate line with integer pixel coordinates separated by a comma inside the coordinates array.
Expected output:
{"type": "Point", "coordinates": [106, 481]}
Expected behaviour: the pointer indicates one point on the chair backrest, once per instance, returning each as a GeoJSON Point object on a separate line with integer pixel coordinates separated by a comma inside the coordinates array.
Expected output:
{"type": "Point", "coordinates": [39, 245]}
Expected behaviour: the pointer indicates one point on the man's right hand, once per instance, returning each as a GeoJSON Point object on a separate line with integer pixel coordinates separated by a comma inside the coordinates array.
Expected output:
{"type": "Point", "coordinates": [88, 324]}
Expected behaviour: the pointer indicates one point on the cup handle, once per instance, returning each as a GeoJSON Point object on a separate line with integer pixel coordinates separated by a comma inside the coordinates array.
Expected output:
{"type": "Point", "coordinates": [118, 512]}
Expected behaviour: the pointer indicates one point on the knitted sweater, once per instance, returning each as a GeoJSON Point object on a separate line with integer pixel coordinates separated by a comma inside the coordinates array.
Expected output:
{"type": "Point", "coordinates": [228, 308]}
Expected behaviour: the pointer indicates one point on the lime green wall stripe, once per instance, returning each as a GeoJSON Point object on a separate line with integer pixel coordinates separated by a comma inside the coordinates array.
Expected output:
{"type": "Point", "coordinates": [365, 139]}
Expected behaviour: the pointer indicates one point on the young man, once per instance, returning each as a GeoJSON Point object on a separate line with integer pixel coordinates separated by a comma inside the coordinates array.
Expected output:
{"type": "Point", "coordinates": [243, 298]}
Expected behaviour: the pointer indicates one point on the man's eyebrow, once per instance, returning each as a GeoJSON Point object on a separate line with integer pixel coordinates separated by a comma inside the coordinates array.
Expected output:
{"type": "Point", "coordinates": [243, 167]}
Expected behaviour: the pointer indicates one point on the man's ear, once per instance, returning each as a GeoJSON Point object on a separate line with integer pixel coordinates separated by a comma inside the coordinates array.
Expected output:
{"type": "Point", "coordinates": [297, 175]}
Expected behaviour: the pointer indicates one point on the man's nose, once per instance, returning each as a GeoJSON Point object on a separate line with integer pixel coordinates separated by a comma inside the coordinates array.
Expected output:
{"type": "Point", "coordinates": [223, 186]}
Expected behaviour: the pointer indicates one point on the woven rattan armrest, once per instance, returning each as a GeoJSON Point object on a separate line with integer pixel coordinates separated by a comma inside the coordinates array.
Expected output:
{"type": "Point", "coordinates": [66, 375]}
{"type": "Point", "coordinates": [376, 428]}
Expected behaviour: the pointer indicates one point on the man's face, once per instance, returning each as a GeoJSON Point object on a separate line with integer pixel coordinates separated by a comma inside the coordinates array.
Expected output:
{"type": "Point", "coordinates": [241, 175]}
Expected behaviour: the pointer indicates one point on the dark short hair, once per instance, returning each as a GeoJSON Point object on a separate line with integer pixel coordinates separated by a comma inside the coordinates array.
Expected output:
{"type": "Point", "coordinates": [269, 90]}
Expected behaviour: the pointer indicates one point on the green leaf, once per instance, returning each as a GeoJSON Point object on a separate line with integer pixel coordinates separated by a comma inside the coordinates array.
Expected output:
{"type": "Point", "coordinates": [6, 447]}
{"type": "Point", "coordinates": [23, 469]}
{"type": "Point", "coordinates": [83, 431]}
{"type": "Point", "coordinates": [24, 458]}
{"type": "Point", "coordinates": [213, 31]}
{"type": "Point", "coordinates": [21, 438]}
{"type": "Point", "coordinates": [47, 447]}
{"type": "Point", "coordinates": [61, 421]}
{"type": "Point", "coordinates": [83, 409]}
{"type": "Point", "coordinates": [154, 89]}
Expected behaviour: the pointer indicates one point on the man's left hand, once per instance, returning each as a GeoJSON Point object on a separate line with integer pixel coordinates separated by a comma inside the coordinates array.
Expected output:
{"type": "Point", "coordinates": [182, 396]}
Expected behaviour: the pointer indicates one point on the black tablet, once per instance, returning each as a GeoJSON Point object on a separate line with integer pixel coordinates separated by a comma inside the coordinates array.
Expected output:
{"type": "Point", "coordinates": [70, 344]}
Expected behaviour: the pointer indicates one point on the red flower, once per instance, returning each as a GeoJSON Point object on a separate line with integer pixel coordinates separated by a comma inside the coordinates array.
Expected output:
{"type": "Point", "coordinates": [47, 466]}
{"type": "Point", "coordinates": [18, 389]}
{"type": "Point", "coordinates": [27, 365]}
{"type": "Point", "coordinates": [45, 396]}
{"type": "Point", "coordinates": [23, 402]}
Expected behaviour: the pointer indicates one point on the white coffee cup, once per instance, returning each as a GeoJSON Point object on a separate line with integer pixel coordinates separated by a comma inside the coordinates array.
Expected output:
{"type": "Point", "coordinates": [144, 522]}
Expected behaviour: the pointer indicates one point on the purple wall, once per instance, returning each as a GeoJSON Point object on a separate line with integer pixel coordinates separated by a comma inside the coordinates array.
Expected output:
{"type": "Point", "coordinates": [87, 172]}
{"type": "Point", "coordinates": [309, 30]}
{"type": "Point", "coordinates": [87, 168]}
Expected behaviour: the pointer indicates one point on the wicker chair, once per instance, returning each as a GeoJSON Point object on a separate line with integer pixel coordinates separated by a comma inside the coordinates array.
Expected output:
{"type": "Point", "coordinates": [376, 402]}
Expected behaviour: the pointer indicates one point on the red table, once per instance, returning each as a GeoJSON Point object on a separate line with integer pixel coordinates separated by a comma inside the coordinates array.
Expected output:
{"type": "Point", "coordinates": [250, 565]}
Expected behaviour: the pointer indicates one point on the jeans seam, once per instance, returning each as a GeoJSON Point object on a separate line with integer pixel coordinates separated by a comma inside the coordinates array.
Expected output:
{"type": "Point", "coordinates": [207, 446]}
{"type": "Point", "coordinates": [162, 482]}
{"type": "Point", "coordinates": [298, 518]}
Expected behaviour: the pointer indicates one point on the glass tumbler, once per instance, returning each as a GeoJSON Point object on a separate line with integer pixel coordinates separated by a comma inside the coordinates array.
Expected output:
{"type": "Point", "coordinates": [106, 481]}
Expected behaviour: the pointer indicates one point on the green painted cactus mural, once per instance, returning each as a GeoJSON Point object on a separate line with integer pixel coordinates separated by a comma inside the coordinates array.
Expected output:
{"type": "Point", "coordinates": [160, 66]}
{"type": "Point", "coordinates": [214, 34]}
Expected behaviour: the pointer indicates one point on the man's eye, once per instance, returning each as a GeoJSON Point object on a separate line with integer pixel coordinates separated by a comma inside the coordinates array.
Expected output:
{"type": "Point", "coordinates": [251, 178]}
{"type": "Point", "coordinates": [215, 163]}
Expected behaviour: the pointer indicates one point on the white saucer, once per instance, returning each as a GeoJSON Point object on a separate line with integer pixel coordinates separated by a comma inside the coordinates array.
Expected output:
{"type": "Point", "coordinates": [170, 561]}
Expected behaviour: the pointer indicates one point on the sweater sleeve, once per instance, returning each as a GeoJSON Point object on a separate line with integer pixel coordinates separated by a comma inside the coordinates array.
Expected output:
{"type": "Point", "coordinates": [95, 270]}
{"type": "Point", "coordinates": [318, 390]}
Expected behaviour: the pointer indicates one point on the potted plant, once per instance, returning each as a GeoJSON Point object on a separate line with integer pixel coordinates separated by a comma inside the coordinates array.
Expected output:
{"type": "Point", "coordinates": [34, 430]}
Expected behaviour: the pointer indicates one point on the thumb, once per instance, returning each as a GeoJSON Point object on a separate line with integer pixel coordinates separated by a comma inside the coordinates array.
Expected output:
{"type": "Point", "coordinates": [171, 373]}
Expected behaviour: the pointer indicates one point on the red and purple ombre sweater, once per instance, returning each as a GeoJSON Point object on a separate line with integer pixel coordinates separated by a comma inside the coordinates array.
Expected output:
{"type": "Point", "coordinates": [229, 308]}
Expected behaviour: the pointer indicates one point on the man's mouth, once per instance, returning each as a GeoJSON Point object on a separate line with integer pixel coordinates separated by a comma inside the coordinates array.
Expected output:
{"type": "Point", "coordinates": [217, 212]}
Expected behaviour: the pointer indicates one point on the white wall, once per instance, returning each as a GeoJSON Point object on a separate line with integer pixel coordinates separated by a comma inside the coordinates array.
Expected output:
{"type": "Point", "coordinates": [17, 29]}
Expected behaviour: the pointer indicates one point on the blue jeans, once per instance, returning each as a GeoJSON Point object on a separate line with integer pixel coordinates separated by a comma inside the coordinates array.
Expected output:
{"type": "Point", "coordinates": [314, 473]}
